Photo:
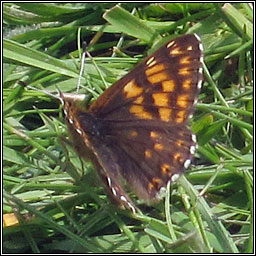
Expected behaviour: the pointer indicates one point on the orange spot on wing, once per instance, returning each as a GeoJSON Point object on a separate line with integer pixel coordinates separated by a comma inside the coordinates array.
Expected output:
{"type": "Point", "coordinates": [139, 100]}
{"type": "Point", "coordinates": [187, 84]}
{"type": "Point", "coordinates": [158, 146]}
{"type": "Point", "coordinates": [165, 114]}
{"type": "Point", "coordinates": [178, 157]}
{"type": "Point", "coordinates": [179, 143]}
{"type": "Point", "coordinates": [161, 99]}
{"type": "Point", "coordinates": [148, 153]}
{"type": "Point", "coordinates": [184, 71]}
{"type": "Point", "coordinates": [157, 181]}
{"type": "Point", "coordinates": [140, 112]}
{"type": "Point", "coordinates": [134, 133]}
{"type": "Point", "coordinates": [185, 60]}
{"type": "Point", "coordinates": [168, 86]}
{"type": "Point", "coordinates": [150, 186]}
{"type": "Point", "coordinates": [131, 89]}
{"type": "Point", "coordinates": [180, 116]}
{"type": "Point", "coordinates": [176, 51]}
{"type": "Point", "coordinates": [166, 169]}
{"type": "Point", "coordinates": [159, 77]}
{"type": "Point", "coordinates": [183, 100]}
{"type": "Point", "coordinates": [155, 69]}
{"type": "Point", "coordinates": [154, 135]}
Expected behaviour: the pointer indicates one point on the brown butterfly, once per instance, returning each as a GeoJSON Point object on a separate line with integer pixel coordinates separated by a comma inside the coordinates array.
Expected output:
{"type": "Point", "coordinates": [136, 132]}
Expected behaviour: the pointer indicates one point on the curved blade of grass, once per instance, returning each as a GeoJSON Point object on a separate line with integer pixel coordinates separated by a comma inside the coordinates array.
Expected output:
{"type": "Point", "coordinates": [18, 52]}
{"type": "Point", "coordinates": [85, 244]}
{"type": "Point", "coordinates": [236, 20]}
{"type": "Point", "coordinates": [129, 24]}
{"type": "Point", "coordinates": [217, 228]}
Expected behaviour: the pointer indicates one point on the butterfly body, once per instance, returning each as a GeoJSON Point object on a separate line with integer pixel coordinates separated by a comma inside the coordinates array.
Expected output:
{"type": "Point", "coordinates": [136, 131]}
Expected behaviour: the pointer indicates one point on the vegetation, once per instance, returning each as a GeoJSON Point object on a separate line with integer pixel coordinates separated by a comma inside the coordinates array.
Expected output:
{"type": "Point", "coordinates": [53, 198]}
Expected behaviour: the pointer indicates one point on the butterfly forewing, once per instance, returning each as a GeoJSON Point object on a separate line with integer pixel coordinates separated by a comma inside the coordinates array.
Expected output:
{"type": "Point", "coordinates": [163, 87]}
{"type": "Point", "coordinates": [137, 129]}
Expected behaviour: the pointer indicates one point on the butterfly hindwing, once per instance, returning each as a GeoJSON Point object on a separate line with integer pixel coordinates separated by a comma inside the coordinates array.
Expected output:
{"type": "Point", "coordinates": [150, 157]}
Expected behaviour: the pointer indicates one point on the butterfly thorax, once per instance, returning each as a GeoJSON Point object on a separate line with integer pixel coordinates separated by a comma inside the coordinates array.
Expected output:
{"type": "Point", "coordinates": [90, 124]}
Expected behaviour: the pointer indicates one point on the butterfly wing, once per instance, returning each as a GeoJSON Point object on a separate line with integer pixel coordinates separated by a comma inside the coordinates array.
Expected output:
{"type": "Point", "coordinates": [158, 87]}
{"type": "Point", "coordinates": [137, 129]}
{"type": "Point", "coordinates": [150, 156]}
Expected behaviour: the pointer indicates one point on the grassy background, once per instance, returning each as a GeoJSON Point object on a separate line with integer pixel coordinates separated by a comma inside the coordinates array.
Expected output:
{"type": "Point", "coordinates": [58, 205]}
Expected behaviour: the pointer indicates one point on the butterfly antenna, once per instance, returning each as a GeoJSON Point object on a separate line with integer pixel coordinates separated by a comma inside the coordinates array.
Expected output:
{"type": "Point", "coordinates": [46, 92]}
{"type": "Point", "coordinates": [98, 70]}
{"type": "Point", "coordinates": [84, 46]}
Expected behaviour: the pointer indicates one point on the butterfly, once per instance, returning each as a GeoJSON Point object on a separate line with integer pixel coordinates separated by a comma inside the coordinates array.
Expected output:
{"type": "Point", "coordinates": [136, 133]}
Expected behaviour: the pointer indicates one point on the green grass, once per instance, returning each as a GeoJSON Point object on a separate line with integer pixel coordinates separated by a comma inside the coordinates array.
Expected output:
{"type": "Point", "coordinates": [60, 206]}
